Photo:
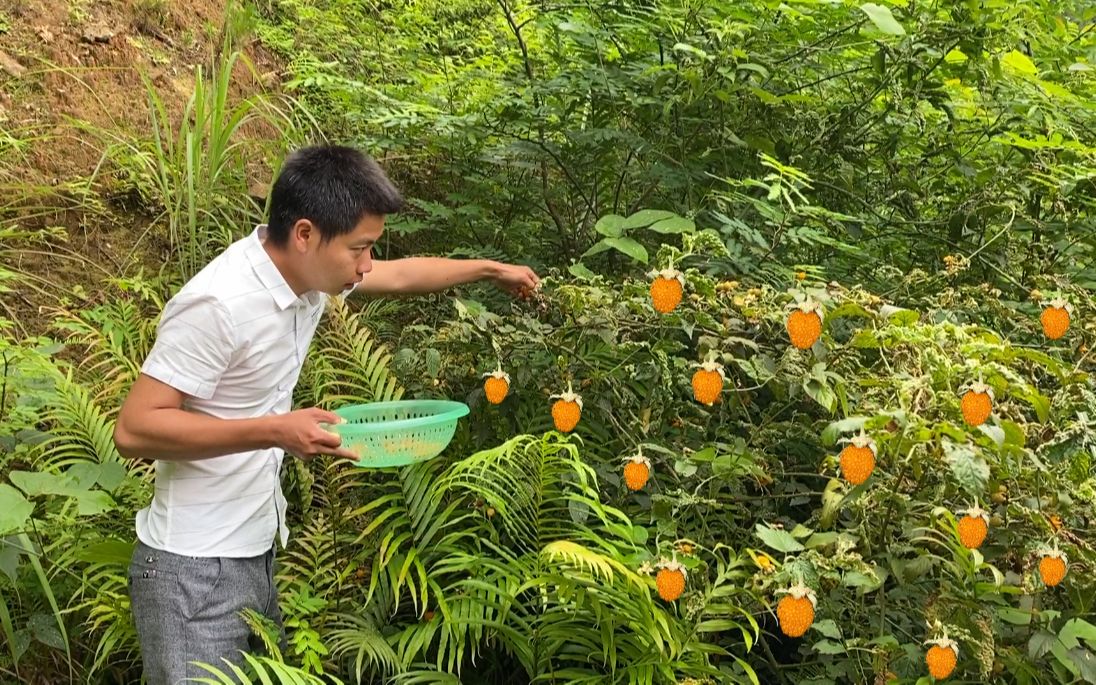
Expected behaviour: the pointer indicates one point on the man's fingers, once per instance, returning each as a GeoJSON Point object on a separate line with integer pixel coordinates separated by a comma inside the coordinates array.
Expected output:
{"type": "Point", "coordinates": [324, 416]}
{"type": "Point", "coordinates": [329, 439]}
{"type": "Point", "coordinates": [344, 453]}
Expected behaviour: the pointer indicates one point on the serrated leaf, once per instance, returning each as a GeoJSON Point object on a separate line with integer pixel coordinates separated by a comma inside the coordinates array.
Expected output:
{"type": "Point", "coordinates": [828, 628]}
{"type": "Point", "coordinates": [646, 217]}
{"type": "Point", "coordinates": [780, 540]}
{"type": "Point", "coordinates": [970, 471]}
{"type": "Point", "coordinates": [883, 19]}
{"type": "Point", "coordinates": [628, 247]}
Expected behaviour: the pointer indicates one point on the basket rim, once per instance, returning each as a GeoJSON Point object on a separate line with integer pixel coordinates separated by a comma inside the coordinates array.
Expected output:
{"type": "Point", "coordinates": [453, 411]}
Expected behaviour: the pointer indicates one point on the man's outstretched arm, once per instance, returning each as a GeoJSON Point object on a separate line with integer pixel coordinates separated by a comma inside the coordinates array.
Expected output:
{"type": "Point", "coordinates": [419, 275]}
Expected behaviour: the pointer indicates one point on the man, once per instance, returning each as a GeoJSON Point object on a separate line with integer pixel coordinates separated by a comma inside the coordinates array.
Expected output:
{"type": "Point", "coordinates": [212, 403]}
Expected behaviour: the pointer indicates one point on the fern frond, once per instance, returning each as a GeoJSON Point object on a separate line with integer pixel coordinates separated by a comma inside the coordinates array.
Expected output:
{"type": "Point", "coordinates": [525, 480]}
{"type": "Point", "coordinates": [601, 566]}
{"type": "Point", "coordinates": [359, 639]}
{"type": "Point", "coordinates": [81, 430]}
{"type": "Point", "coordinates": [349, 366]}
{"type": "Point", "coordinates": [264, 669]}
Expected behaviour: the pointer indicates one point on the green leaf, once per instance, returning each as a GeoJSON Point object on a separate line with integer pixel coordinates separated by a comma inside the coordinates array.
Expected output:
{"type": "Point", "coordinates": [1075, 629]}
{"type": "Point", "coordinates": [677, 224]}
{"type": "Point", "coordinates": [598, 247]}
{"type": "Point", "coordinates": [14, 509]}
{"type": "Point", "coordinates": [848, 309]}
{"type": "Point", "coordinates": [628, 247]}
{"type": "Point", "coordinates": [995, 433]}
{"type": "Point", "coordinates": [832, 497]}
{"type": "Point", "coordinates": [899, 316]}
{"type": "Point", "coordinates": [580, 270]}
{"type": "Point", "coordinates": [1016, 617]}
{"type": "Point", "coordinates": [1019, 62]}
{"type": "Point", "coordinates": [821, 393]}
{"type": "Point", "coordinates": [970, 471]}
{"type": "Point", "coordinates": [1041, 404]}
{"type": "Point", "coordinates": [1014, 433]}
{"type": "Point", "coordinates": [832, 432]}
{"type": "Point", "coordinates": [828, 647]}
{"type": "Point", "coordinates": [107, 551]}
{"type": "Point", "coordinates": [861, 580]}
{"type": "Point", "coordinates": [45, 630]}
{"type": "Point", "coordinates": [35, 483]}
{"type": "Point", "coordinates": [828, 628]}
{"type": "Point", "coordinates": [685, 467]}
{"type": "Point", "coordinates": [646, 217]}
{"type": "Point", "coordinates": [92, 502]}
{"type": "Point", "coordinates": [1041, 643]}
{"type": "Point", "coordinates": [883, 19]}
{"type": "Point", "coordinates": [111, 475]}
{"type": "Point", "coordinates": [610, 226]}
{"type": "Point", "coordinates": [780, 540]}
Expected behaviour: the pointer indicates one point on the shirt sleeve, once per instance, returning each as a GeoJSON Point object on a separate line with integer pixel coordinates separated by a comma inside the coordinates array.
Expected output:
{"type": "Point", "coordinates": [195, 341]}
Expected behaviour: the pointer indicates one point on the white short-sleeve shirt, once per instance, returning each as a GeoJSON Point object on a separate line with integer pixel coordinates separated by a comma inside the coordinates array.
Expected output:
{"type": "Point", "coordinates": [233, 339]}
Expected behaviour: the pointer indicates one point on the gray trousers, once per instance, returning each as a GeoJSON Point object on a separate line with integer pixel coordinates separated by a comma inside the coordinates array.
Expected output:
{"type": "Point", "coordinates": [186, 609]}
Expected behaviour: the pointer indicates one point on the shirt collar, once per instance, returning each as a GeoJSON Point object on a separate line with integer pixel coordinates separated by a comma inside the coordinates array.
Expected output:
{"type": "Point", "coordinates": [270, 276]}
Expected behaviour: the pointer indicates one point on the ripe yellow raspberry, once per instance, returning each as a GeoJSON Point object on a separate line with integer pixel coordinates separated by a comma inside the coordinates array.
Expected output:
{"type": "Point", "coordinates": [973, 527]}
{"type": "Point", "coordinates": [1055, 318]}
{"type": "Point", "coordinates": [976, 403]}
{"type": "Point", "coordinates": [670, 580]}
{"type": "Point", "coordinates": [496, 386]}
{"type": "Point", "coordinates": [804, 324]}
{"type": "Point", "coordinates": [666, 290]}
{"type": "Point", "coordinates": [708, 382]}
{"type": "Point", "coordinates": [567, 410]}
{"type": "Point", "coordinates": [942, 657]}
{"type": "Point", "coordinates": [795, 610]}
{"type": "Point", "coordinates": [1052, 567]}
{"type": "Point", "coordinates": [858, 459]}
{"type": "Point", "coordinates": [637, 469]}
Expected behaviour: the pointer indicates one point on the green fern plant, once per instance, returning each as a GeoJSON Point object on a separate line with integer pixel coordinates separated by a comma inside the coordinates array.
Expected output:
{"type": "Point", "coordinates": [264, 669]}
{"type": "Point", "coordinates": [347, 365]}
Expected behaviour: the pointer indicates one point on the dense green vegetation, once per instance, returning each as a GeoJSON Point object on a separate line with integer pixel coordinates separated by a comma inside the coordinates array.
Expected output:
{"type": "Point", "coordinates": [924, 170]}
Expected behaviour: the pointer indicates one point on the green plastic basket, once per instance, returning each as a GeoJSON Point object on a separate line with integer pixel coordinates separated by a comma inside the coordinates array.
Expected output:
{"type": "Point", "coordinates": [386, 434]}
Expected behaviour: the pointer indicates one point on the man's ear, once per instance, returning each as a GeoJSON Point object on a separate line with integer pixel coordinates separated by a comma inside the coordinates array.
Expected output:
{"type": "Point", "coordinates": [302, 234]}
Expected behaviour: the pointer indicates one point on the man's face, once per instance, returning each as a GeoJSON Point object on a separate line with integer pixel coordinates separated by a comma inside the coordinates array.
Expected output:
{"type": "Point", "coordinates": [345, 259]}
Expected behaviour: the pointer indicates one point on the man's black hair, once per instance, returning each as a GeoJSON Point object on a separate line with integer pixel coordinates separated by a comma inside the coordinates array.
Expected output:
{"type": "Point", "coordinates": [332, 186]}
